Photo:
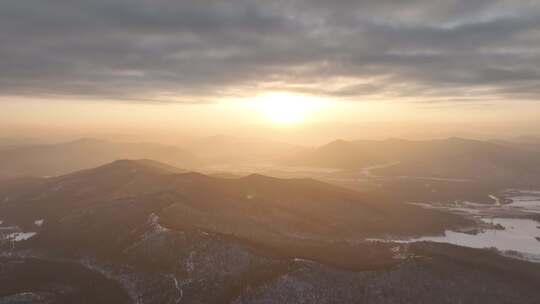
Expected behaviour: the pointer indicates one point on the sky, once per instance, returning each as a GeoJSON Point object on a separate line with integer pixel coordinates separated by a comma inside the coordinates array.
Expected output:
{"type": "Point", "coordinates": [200, 67]}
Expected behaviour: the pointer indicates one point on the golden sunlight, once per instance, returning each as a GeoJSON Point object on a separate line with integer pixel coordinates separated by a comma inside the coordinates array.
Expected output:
{"type": "Point", "coordinates": [286, 108]}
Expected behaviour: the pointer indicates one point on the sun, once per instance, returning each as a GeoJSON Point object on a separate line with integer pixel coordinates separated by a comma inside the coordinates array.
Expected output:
{"type": "Point", "coordinates": [286, 108]}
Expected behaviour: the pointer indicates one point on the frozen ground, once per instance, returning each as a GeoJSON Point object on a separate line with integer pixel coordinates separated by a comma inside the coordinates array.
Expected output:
{"type": "Point", "coordinates": [506, 226]}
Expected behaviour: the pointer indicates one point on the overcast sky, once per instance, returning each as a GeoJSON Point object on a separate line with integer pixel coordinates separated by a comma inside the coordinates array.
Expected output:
{"type": "Point", "coordinates": [197, 51]}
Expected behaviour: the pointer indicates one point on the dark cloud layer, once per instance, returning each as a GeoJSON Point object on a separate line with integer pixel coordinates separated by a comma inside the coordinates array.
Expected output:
{"type": "Point", "coordinates": [194, 51]}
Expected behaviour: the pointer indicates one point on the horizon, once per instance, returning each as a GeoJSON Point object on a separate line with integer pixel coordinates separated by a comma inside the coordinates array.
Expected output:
{"type": "Point", "coordinates": [270, 152]}
{"type": "Point", "coordinates": [305, 134]}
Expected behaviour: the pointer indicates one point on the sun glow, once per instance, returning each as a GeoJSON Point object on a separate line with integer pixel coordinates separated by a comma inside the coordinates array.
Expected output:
{"type": "Point", "coordinates": [285, 108]}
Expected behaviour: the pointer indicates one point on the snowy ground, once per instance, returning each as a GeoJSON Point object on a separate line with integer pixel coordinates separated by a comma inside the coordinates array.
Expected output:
{"type": "Point", "coordinates": [507, 227]}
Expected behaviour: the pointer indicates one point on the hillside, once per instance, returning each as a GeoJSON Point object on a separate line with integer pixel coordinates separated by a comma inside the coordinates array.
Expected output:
{"type": "Point", "coordinates": [149, 233]}
{"type": "Point", "coordinates": [254, 207]}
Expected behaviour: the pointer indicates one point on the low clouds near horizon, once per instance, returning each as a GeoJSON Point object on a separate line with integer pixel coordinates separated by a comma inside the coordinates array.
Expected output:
{"type": "Point", "coordinates": [197, 51]}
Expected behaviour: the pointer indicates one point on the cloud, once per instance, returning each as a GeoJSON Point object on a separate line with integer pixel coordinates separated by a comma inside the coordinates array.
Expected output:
{"type": "Point", "coordinates": [197, 51]}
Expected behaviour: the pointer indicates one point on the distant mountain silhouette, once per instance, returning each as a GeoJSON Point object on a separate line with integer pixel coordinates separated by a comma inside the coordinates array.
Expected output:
{"type": "Point", "coordinates": [445, 158]}
{"type": "Point", "coordinates": [57, 159]}
{"type": "Point", "coordinates": [525, 142]}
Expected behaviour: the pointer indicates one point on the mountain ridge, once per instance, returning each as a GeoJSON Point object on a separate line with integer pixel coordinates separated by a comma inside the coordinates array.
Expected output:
{"type": "Point", "coordinates": [457, 158]}
{"type": "Point", "coordinates": [156, 235]}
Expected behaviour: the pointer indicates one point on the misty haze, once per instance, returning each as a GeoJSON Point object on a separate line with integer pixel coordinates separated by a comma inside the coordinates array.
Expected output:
{"type": "Point", "coordinates": [257, 152]}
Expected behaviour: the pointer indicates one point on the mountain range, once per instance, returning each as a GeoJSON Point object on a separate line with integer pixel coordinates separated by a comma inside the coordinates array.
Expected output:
{"type": "Point", "coordinates": [139, 231]}
{"type": "Point", "coordinates": [452, 158]}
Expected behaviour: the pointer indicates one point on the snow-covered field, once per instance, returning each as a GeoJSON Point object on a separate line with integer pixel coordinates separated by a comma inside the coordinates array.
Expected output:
{"type": "Point", "coordinates": [518, 235]}
{"type": "Point", "coordinates": [504, 226]}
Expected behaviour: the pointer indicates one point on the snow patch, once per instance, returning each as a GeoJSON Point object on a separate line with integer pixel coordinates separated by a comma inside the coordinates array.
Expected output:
{"type": "Point", "coordinates": [400, 252]}
{"type": "Point", "coordinates": [178, 286]}
{"type": "Point", "coordinates": [190, 262]}
{"type": "Point", "coordinates": [153, 219]}
{"type": "Point", "coordinates": [19, 236]}
{"type": "Point", "coordinates": [302, 260]}
{"type": "Point", "coordinates": [496, 199]}
{"type": "Point", "coordinates": [39, 223]}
